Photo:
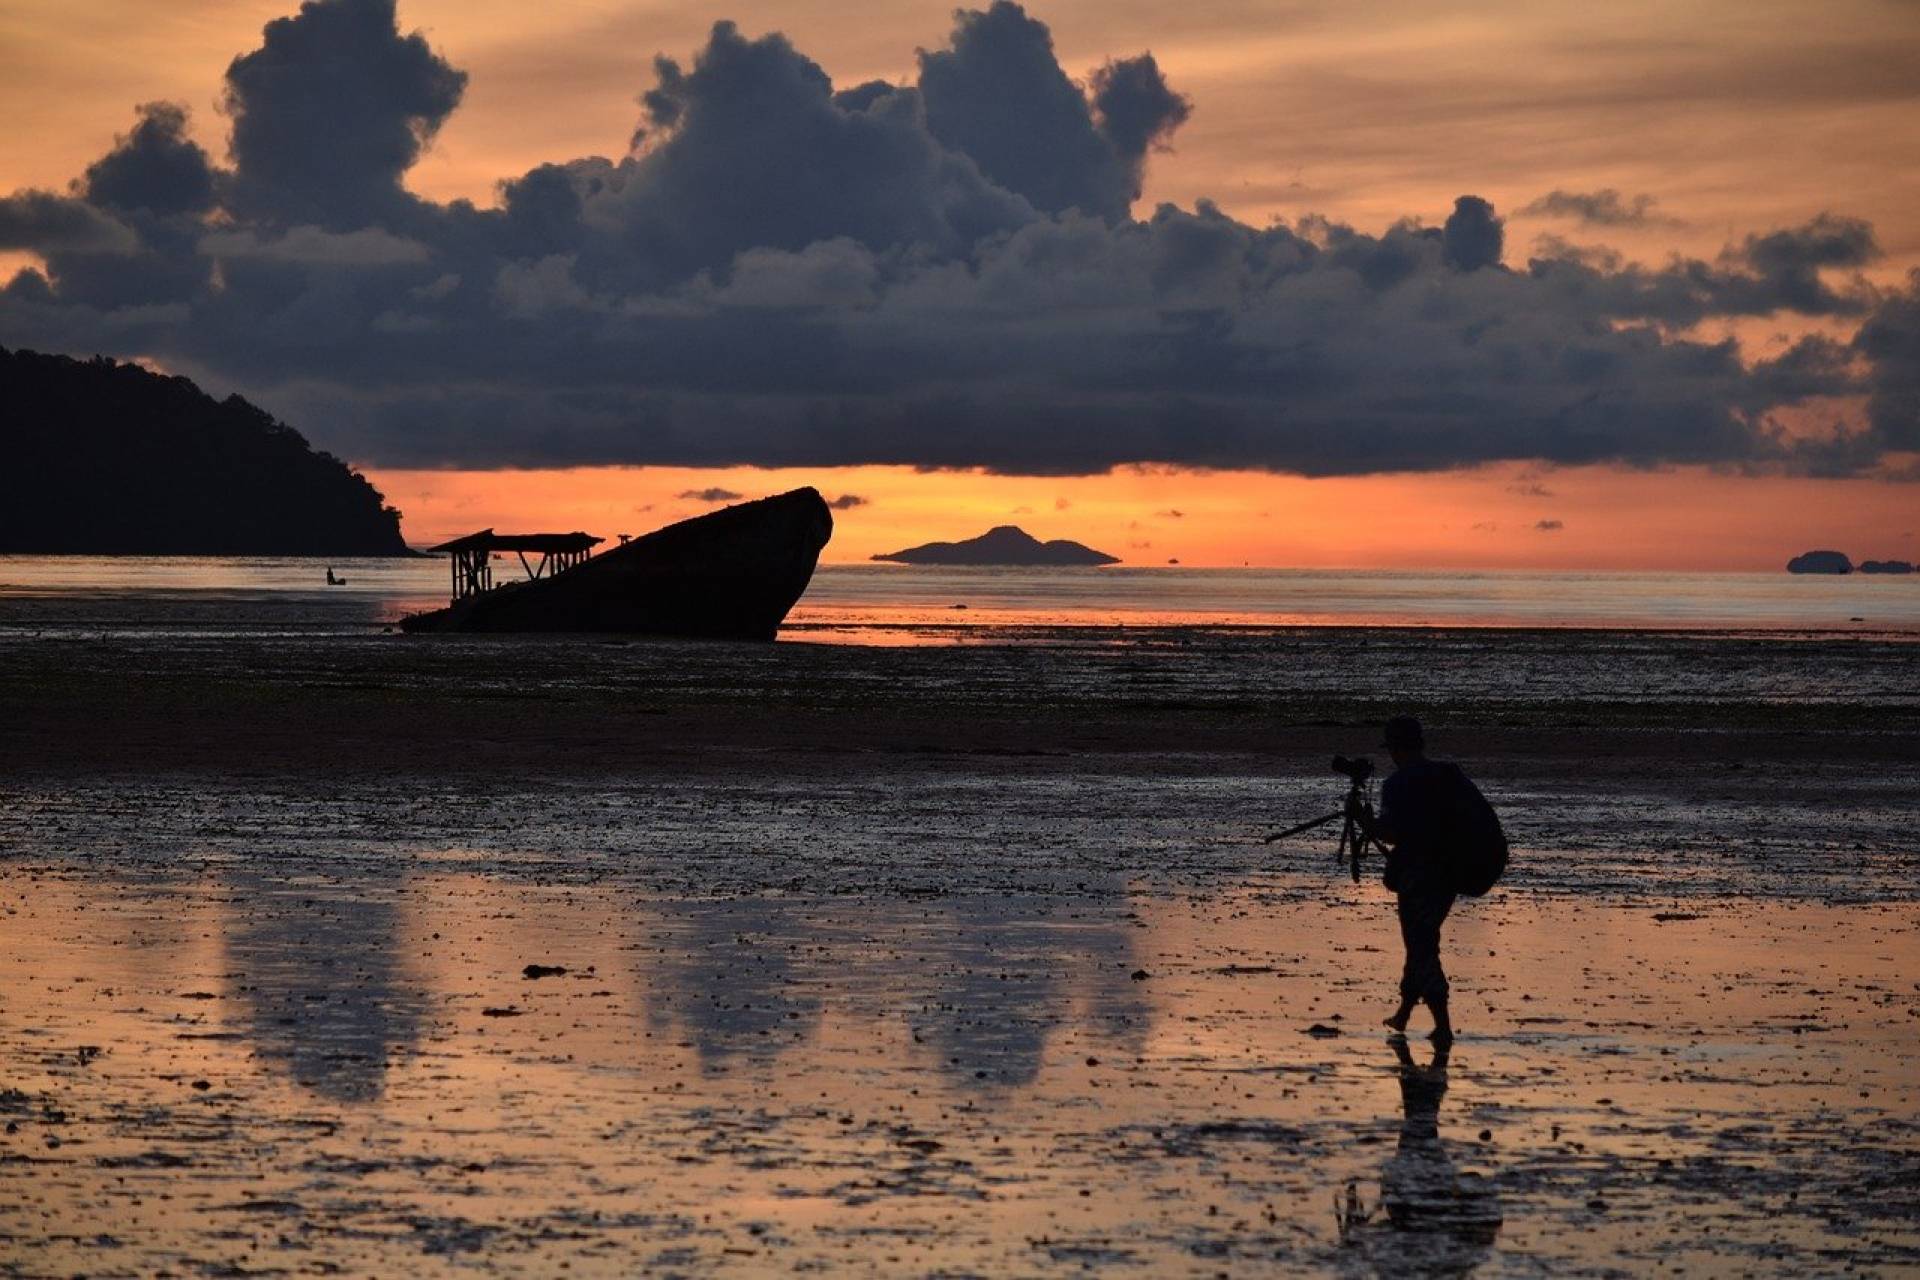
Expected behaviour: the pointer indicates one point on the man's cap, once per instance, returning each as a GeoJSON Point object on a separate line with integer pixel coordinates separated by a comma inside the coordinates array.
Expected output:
{"type": "Point", "coordinates": [1405, 733]}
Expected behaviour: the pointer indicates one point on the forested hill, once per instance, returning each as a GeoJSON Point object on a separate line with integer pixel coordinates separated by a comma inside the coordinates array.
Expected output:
{"type": "Point", "coordinates": [105, 458]}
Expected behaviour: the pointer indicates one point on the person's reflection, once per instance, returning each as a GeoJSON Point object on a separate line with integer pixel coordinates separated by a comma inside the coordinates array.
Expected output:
{"type": "Point", "coordinates": [1437, 1220]}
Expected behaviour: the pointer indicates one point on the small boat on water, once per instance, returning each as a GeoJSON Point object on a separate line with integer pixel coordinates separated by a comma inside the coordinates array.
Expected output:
{"type": "Point", "coordinates": [731, 574]}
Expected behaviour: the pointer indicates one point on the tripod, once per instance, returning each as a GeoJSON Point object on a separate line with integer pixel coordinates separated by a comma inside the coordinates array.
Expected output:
{"type": "Point", "coordinates": [1353, 837]}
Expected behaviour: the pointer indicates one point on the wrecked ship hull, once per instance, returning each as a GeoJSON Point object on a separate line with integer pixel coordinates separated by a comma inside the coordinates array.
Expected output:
{"type": "Point", "coordinates": [732, 574]}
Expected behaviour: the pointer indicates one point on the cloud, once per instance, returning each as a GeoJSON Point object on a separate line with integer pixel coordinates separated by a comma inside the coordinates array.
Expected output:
{"type": "Point", "coordinates": [1890, 342]}
{"type": "Point", "coordinates": [153, 167]}
{"type": "Point", "coordinates": [847, 502]}
{"type": "Point", "coordinates": [998, 96]}
{"type": "Point", "coordinates": [714, 494]}
{"type": "Point", "coordinates": [1603, 208]}
{"type": "Point", "coordinates": [1171, 514]}
{"type": "Point", "coordinates": [938, 274]}
{"type": "Point", "coordinates": [1549, 526]}
{"type": "Point", "coordinates": [367, 247]}
{"type": "Point", "coordinates": [329, 112]}
{"type": "Point", "coordinates": [47, 223]}
{"type": "Point", "coordinates": [1472, 236]}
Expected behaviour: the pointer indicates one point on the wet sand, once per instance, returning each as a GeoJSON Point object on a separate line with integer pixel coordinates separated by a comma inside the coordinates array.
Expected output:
{"type": "Point", "coordinates": [947, 961]}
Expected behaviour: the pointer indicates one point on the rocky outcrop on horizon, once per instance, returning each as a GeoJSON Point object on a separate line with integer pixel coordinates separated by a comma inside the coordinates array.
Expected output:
{"type": "Point", "coordinates": [1003, 545]}
{"type": "Point", "coordinates": [1886, 566]}
{"type": "Point", "coordinates": [1820, 562]}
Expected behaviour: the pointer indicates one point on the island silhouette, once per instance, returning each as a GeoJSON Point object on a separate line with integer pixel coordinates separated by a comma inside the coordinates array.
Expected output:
{"type": "Point", "coordinates": [112, 459]}
{"type": "Point", "coordinates": [1002, 545]}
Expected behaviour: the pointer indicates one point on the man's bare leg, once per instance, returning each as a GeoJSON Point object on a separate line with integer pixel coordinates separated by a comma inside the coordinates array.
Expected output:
{"type": "Point", "coordinates": [1398, 1020]}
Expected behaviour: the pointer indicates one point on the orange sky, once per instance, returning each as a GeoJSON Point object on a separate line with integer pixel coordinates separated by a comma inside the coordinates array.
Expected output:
{"type": "Point", "coordinates": [1680, 519]}
{"type": "Point", "coordinates": [1736, 117]}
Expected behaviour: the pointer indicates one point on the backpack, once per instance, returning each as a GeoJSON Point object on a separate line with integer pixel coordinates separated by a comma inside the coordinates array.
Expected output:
{"type": "Point", "coordinates": [1476, 847]}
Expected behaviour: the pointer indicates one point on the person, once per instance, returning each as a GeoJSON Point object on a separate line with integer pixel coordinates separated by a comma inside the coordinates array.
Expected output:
{"type": "Point", "coordinates": [1411, 825]}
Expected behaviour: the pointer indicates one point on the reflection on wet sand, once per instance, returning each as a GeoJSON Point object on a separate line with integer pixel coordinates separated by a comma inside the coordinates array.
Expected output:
{"type": "Point", "coordinates": [1006, 976]}
{"type": "Point", "coordinates": [968, 1084]}
{"type": "Point", "coordinates": [316, 979]}
{"type": "Point", "coordinates": [1430, 1219]}
{"type": "Point", "coordinates": [992, 976]}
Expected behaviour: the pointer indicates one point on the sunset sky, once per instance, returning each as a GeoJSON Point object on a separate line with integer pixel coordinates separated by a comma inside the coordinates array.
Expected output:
{"type": "Point", "coordinates": [1682, 330]}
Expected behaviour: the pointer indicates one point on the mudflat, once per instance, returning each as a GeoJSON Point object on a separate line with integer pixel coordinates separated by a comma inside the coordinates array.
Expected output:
{"type": "Point", "coordinates": [946, 959]}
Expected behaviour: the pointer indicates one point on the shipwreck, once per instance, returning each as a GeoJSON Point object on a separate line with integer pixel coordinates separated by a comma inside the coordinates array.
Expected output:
{"type": "Point", "coordinates": [732, 574]}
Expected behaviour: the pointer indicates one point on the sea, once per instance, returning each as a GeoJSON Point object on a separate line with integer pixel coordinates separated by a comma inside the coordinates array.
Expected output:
{"type": "Point", "coordinates": [898, 604]}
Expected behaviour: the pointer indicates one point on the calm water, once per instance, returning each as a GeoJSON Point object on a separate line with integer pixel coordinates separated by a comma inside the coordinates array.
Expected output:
{"type": "Point", "coordinates": [889, 603]}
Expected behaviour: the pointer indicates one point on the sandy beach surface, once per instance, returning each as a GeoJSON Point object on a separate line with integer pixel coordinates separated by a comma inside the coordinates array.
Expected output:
{"type": "Point", "coordinates": [946, 960]}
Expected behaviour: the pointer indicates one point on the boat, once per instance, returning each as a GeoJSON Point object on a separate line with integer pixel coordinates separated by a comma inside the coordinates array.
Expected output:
{"type": "Point", "coordinates": [730, 574]}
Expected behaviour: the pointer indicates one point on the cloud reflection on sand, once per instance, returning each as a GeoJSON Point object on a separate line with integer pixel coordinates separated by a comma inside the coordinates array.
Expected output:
{"type": "Point", "coordinates": [656, 1105]}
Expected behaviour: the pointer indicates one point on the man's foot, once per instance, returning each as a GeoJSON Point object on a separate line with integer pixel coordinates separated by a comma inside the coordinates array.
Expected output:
{"type": "Point", "coordinates": [1442, 1037]}
{"type": "Point", "coordinates": [1397, 1021]}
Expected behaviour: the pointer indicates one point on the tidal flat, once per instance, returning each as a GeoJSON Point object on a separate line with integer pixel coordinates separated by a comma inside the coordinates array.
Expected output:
{"type": "Point", "coordinates": [946, 961]}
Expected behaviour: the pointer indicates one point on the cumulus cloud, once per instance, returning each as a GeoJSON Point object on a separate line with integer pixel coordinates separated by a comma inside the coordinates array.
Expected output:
{"type": "Point", "coordinates": [1603, 208]}
{"type": "Point", "coordinates": [998, 95]}
{"type": "Point", "coordinates": [1473, 235]}
{"type": "Point", "coordinates": [713, 494]}
{"type": "Point", "coordinates": [847, 502]}
{"type": "Point", "coordinates": [329, 112]}
{"type": "Point", "coordinates": [943, 273]}
{"type": "Point", "coordinates": [153, 167]}
{"type": "Point", "coordinates": [47, 223]}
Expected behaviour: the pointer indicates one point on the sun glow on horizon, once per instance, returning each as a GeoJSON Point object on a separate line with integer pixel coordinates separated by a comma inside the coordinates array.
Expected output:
{"type": "Point", "coordinates": [1517, 517]}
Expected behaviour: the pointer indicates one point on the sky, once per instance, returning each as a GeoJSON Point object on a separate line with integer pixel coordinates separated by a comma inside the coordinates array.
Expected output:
{"type": "Point", "coordinates": [1508, 285]}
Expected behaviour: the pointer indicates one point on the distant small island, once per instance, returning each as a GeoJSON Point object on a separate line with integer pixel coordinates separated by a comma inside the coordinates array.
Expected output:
{"type": "Point", "coordinates": [1003, 545]}
{"type": "Point", "coordinates": [104, 458]}
{"type": "Point", "coordinates": [1820, 562]}
{"type": "Point", "coordinates": [1838, 562]}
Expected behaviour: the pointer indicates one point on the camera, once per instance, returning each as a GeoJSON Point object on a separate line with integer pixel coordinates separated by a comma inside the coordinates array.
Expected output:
{"type": "Point", "coordinates": [1358, 769]}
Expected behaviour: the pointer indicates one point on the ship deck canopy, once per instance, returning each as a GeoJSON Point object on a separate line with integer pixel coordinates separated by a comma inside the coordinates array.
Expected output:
{"type": "Point", "coordinates": [543, 543]}
{"type": "Point", "coordinates": [473, 556]}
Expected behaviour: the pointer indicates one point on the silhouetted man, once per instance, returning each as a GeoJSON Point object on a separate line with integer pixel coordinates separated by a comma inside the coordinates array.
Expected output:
{"type": "Point", "coordinates": [1414, 804]}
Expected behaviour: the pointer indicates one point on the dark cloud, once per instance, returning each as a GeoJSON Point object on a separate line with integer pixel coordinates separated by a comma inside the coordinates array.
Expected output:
{"type": "Point", "coordinates": [1780, 271]}
{"type": "Point", "coordinates": [1473, 235]}
{"type": "Point", "coordinates": [153, 167]}
{"type": "Point", "coordinates": [330, 111]}
{"type": "Point", "coordinates": [847, 502]}
{"type": "Point", "coordinates": [939, 274]}
{"type": "Point", "coordinates": [1603, 208]}
{"type": "Point", "coordinates": [47, 223]}
{"type": "Point", "coordinates": [1549, 526]}
{"type": "Point", "coordinates": [750, 150]}
{"type": "Point", "coordinates": [998, 95]}
{"type": "Point", "coordinates": [1135, 109]}
{"type": "Point", "coordinates": [714, 494]}
{"type": "Point", "coordinates": [1890, 342]}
